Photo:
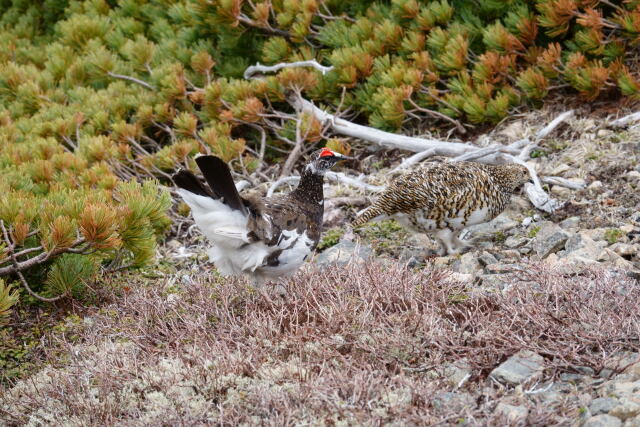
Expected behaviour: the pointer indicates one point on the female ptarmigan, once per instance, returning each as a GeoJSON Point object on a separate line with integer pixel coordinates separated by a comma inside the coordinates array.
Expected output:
{"type": "Point", "coordinates": [443, 198]}
{"type": "Point", "coordinates": [264, 237]}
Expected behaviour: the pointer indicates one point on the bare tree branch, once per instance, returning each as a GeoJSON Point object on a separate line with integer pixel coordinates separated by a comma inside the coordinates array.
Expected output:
{"type": "Point", "coordinates": [131, 79]}
{"type": "Point", "coordinates": [259, 68]}
{"type": "Point", "coordinates": [626, 120]}
{"type": "Point", "coordinates": [18, 270]}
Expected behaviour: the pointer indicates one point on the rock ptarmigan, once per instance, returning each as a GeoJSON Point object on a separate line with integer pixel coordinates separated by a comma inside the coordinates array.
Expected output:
{"type": "Point", "coordinates": [443, 198]}
{"type": "Point", "coordinates": [263, 237]}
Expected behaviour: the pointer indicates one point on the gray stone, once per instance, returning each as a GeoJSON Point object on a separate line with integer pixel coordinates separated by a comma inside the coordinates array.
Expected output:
{"type": "Point", "coordinates": [632, 175]}
{"type": "Point", "coordinates": [603, 420]}
{"type": "Point", "coordinates": [549, 239]}
{"type": "Point", "coordinates": [343, 253]}
{"type": "Point", "coordinates": [525, 250]}
{"type": "Point", "coordinates": [449, 401]}
{"type": "Point", "coordinates": [500, 223]}
{"type": "Point", "coordinates": [582, 242]}
{"type": "Point", "coordinates": [501, 268]}
{"type": "Point", "coordinates": [493, 281]}
{"type": "Point", "coordinates": [552, 399]}
{"type": "Point", "coordinates": [519, 368]}
{"type": "Point", "coordinates": [457, 373]}
{"type": "Point", "coordinates": [571, 377]}
{"type": "Point", "coordinates": [486, 258]}
{"type": "Point", "coordinates": [625, 249]}
{"type": "Point", "coordinates": [515, 241]}
{"type": "Point", "coordinates": [628, 407]}
{"type": "Point", "coordinates": [633, 422]}
{"type": "Point", "coordinates": [467, 264]}
{"type": "Point", "coordinates": [571, 222]}
{"type": "Point", "coordinates": [602, 405]}
{"type": "Point", "coordinates": [622, 388]}
{"type": "Point", "coordinates": [511, 413]}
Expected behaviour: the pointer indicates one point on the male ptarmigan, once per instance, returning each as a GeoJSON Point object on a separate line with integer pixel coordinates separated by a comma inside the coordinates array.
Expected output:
{"type": "Point", "coordinates": [263, 237]}
{"type": "Point", "coordinates": [443, 198]}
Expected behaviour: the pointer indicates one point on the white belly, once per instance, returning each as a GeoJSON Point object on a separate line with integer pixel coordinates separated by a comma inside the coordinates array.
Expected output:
{"type": "Point", "coordinates": [478, 216]}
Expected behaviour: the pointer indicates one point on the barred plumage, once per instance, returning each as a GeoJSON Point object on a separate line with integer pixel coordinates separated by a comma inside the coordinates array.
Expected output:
{"type": "Point", "coordinates": [445, 197]}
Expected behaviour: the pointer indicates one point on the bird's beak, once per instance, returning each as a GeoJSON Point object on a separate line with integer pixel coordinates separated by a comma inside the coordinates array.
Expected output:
{"type": "Point", "coordinates": [341, 157]}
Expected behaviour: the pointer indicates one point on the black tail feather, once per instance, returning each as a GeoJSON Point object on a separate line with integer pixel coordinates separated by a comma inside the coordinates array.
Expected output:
{"type": "Point", "coordinates": [188, 181]}
{"type": "Point", "coordinates": [219, 178]}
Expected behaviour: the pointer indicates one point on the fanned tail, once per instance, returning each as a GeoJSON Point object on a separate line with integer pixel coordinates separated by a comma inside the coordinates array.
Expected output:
{"type": "Point", "coordinates": [188, 181]}
{"type": "Point", "coordinates": [219, 178]}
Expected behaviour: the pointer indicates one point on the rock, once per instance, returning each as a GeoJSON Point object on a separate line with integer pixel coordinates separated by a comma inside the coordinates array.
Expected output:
{"type": "Point", "coordinates": [625, 249]}
{"type": "Point", "coordinates": [552, 398]}
{"type": "Point", "coordinates": [462, 277]}
{"type": "Point", "coordinates": [595, 185]}
{"type": "Point", "coordinates": [549, 239]}
{"type": "Point", "coordinates": [486, 258]}
{"type": "Point", "coordinates": [570, 223]}
{"type": "Point", "coordinates": [457, 373]}
{"type": "Point", "coordinates": [607, 255]}
{"type": "Point", "coordinates": [633, 368]}
{"type": "Point", "coordinates": [627, 228]}
{"type": "Point", "coordinates": [515, 241]}
{"type": "Point", "coordinates": [582, 244]}
{"type": "Point", "coordinates": [603, 420]}
{"type": "Point", "coordinates": [632, 176]}
{"type": "Point", "coordinates": [494, 281]}
{"type": "Point", "coordinates": [343, 253]}
{"type": "Point", "coordinates": [628, 407]}
{"type": "Point", "coordinates": [519, 368]}
{"type": "Point", "coordinates": [560, 169]}
{"type": "Point", "coordinates": [634, 422]}
{"type": "Point", "coordinates": [560, 191]}
{"type": "Point", "coordinates": [596, 234]}
{"type": "Point", "coordinates": [500, 223]}
{"type": "Point", "coordinates": [511, 254]}
{"type": "Point", "coordinates": [621, 388]}
{"type": "Point", "coordinates": [467, 264]}
{"type": "Point", "coordinates": [453, 402]}
{"type": "Point", "coordinates": [501, 268]}
{"type": "Point", "coordinates": [602, 405]}
{"type": "Point", "coordinates": [511, 413]}
{"type": "Point", "coordinates": [603, 133]}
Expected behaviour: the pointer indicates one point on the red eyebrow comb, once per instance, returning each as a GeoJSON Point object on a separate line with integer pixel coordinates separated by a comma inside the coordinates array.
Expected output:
{"type": "Point", "coordinates": [326, 152]}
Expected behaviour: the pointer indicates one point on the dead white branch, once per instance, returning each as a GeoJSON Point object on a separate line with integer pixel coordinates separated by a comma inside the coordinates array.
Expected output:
{"type": "Point", "coordinates": [626, 120]}
{"type": "Point", "coordinates": [339, 177]}
{"type": "Point", "coordinates": [563, 182]}
{"type": "Point", "coordinates": [416, 158]}
{"type": "Point", "coordinates": [354, 182]}
{"type": "Point", "coordinates": [545, 131]}
{"type": "Point", "coordinates": [535, 192]}
{"type": "Point", "coordinates": [386, 139]}
{"type": "Point", "coordinates": [259, 68]}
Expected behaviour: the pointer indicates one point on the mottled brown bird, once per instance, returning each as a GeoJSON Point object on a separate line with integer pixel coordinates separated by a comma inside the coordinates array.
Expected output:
{"type": "Point", "coordinates": [263, 237]}
{"type": "Point", "coordinates": [443, 198]}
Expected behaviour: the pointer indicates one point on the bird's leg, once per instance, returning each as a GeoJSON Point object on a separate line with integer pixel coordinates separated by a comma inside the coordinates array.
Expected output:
{"type": "Point", "coordinates": [446, 238]}
{"type": "Point", "coordinates": [461, 244]}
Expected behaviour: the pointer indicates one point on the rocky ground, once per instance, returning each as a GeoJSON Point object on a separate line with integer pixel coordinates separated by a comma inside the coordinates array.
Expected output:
{"type": "Point", "coordinates": [537, 324]}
